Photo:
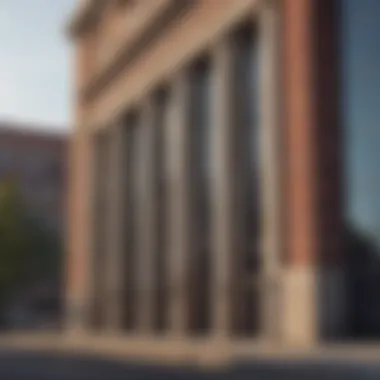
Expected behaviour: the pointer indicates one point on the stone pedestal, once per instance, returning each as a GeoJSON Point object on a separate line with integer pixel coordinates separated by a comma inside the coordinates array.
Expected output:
{"type": "Point", "coordinates": [312, 305]}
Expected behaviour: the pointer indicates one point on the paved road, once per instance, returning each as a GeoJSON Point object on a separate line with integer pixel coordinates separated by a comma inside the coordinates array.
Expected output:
{"type": "Point", "coordinates": [26, 366]}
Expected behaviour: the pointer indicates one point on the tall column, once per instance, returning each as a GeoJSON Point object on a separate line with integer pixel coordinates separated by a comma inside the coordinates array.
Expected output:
{"type": "Point", "coordinates": [79, 232]}
{"type": "Point", "coordinates": [270, 160]}
{"type": "Point", "coordinates": [146, 214]}
{"type": "Point", "coordinates": [79, 203]}
{"type": "Point", "coordinates": [222, 218]}
{"type": "Point", "coordinates": [114, 259]}
{"type": "Point", "coordinates": [99, 229]}
{"type": "Point", "coordinates": [178, 188]}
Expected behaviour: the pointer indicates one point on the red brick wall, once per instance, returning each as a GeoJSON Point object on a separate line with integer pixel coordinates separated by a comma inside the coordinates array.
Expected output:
{"type": "Point", "coordinates": [312, 133]}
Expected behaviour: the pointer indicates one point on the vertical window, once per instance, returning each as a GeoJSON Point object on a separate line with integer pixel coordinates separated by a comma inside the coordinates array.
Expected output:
{"type": "Point", "coordinates": [131, 162]}
{"type": "Point", "coordinates": [246, 174]}
{"type": "Point", "coordinates": [160, 191]}
{"type": "Point", "coordinates": [200, 168]}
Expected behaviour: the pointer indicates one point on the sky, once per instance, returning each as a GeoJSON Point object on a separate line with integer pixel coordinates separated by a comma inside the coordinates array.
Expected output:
{"type": "Point", "coordinates": [35, 62]}
{"type": "Point", "coordinates": [361, 111]}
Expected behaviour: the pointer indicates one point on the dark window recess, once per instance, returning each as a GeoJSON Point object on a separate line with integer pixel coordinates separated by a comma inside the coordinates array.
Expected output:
{"type": "Point", "coordinates": [246, 165]}
{"type": "Point", "coordinates": [200, 203]}
{"type": "Point", "coordinates": [129, 226]}
{"type": "Point", "coordinates": [161, 101]}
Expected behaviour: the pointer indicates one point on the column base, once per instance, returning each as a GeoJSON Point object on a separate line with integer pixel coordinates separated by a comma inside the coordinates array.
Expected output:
{"type": "Point", "coordinates": [270, 289]}
{"type": "Point", "coordinates": [312, 305]}
{"type": "Point", "coordinates": [76, 318]}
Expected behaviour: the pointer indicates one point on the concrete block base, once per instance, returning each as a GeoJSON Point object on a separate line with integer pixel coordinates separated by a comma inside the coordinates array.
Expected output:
{"type": "Point", "coordinates": [312, 305]}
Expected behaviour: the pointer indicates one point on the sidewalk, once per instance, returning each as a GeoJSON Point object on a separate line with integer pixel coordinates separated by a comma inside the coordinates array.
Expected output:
{"type": "Point", "coordinates": [204, 353]}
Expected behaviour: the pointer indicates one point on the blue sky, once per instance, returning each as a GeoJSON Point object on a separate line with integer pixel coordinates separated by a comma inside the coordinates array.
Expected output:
{"type": "Point", "coordinates": [35, 62]}
{"type": "Point", "coordinates": [361, 63]}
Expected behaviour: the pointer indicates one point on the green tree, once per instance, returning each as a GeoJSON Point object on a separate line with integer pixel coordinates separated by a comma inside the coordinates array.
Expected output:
{"type": "Point", "coordinates": [28, 251]}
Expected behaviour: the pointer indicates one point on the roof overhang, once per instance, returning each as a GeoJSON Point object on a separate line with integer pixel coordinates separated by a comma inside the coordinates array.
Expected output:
{"type": "Point", "coordinates": [85, 15]}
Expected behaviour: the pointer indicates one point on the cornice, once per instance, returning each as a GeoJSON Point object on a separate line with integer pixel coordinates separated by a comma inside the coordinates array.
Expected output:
{"type": "Point", "coordinates": [85, 15]}
{"type": "Point", "coordinates": [131, 48]}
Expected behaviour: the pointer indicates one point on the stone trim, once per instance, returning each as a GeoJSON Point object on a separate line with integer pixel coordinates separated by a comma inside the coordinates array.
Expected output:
{"type": "Point", "coordinates": [86, 15]}
{"type": "Point", "coordinates": [131, 49]}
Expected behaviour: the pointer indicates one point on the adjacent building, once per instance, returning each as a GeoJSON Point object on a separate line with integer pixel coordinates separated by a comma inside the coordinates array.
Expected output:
{"type": "Point", "coordinates": [33, 162]}
{"type": "Point", "coordinates": [34, 159]}
{"type": "Point", "coordinates": [213, 167]}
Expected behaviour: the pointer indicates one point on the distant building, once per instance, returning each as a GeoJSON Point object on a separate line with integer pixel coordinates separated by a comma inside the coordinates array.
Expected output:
{"type": "Point", "coordinates": [36, 160]}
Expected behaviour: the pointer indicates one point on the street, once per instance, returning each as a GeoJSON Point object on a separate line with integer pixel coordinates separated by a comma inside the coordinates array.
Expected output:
{"type": "Point", "coordinates": [27, 366]}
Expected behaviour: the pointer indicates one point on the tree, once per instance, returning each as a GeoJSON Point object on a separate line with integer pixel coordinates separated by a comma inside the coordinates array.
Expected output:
{"type": "Point", "coordinates": [28, 251]}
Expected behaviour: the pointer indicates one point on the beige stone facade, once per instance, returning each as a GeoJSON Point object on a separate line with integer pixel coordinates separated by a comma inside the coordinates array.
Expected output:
{"type": "Point", "coordinates": [160, 240]}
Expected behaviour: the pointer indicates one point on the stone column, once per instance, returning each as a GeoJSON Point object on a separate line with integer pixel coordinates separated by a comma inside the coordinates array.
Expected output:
{"type": "Point", "coordinates": [178, 188]}
{"type": "Point", "coordinates": [99, 229]}
{"type": "Point", "coordinates": [222, 193]}
{"type": "Point", "coordinates": [79, 253]}
{"type": "Point", "coordinates": [145, 217]}
{"type": "Point", "coordinates": [270, 159]}
{"type": "Point", "coordinates": [114, 264]}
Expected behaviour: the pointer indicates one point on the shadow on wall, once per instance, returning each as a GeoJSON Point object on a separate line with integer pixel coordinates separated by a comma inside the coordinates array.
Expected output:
{"type": "Point", "coordinates": [363, 285]}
